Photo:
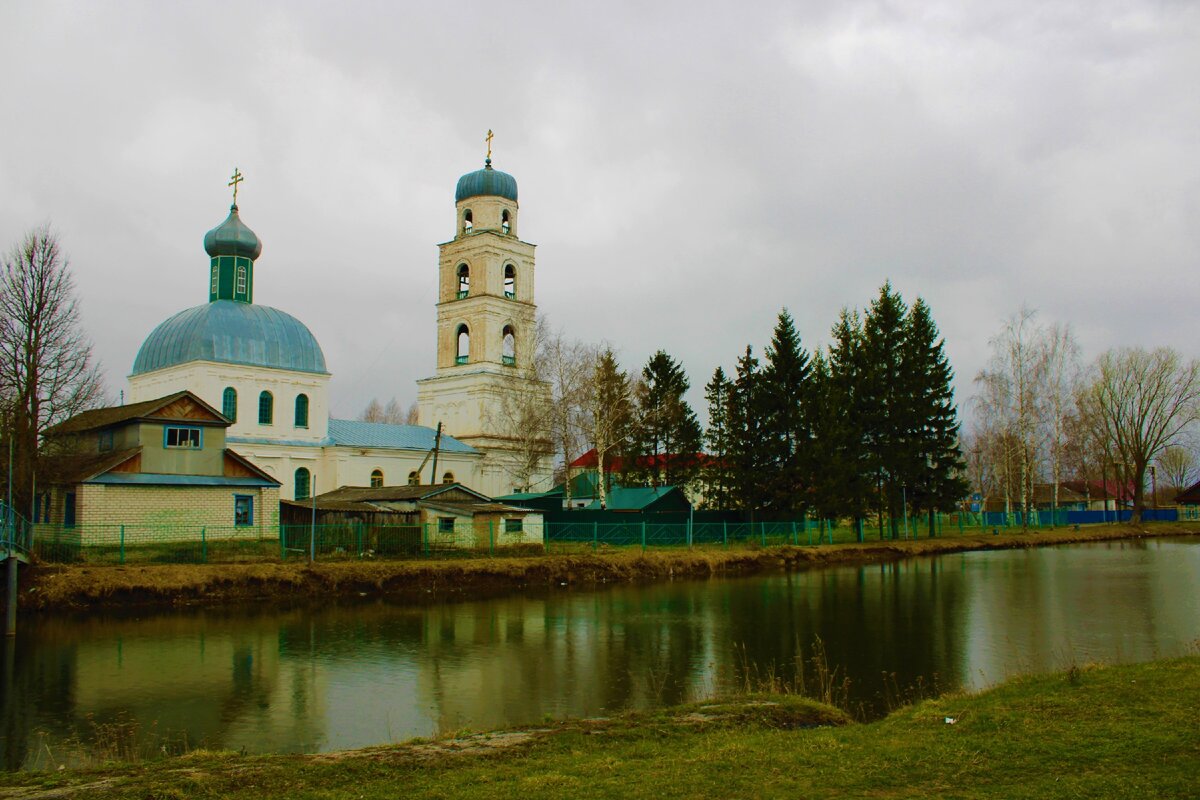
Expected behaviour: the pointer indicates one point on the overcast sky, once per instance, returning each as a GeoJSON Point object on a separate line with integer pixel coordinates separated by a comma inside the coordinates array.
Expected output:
{"type": "Point", "coordinates": [686, 169]}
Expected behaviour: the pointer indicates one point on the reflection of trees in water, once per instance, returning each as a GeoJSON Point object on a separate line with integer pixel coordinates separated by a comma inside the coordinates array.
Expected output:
{"type": "Point", "coordinates": [902, 617]}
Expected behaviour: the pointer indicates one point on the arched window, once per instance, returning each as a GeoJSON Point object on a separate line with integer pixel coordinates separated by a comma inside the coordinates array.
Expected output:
{"type": "Point", "coordinates": [464, 281]}
{"type": "Point", "coordinates": [448, 477]}
{"type": "Point", "coordinates": [468, 221]}
{"type": "Point", "coordinates": [229, 404]}
{"type": "Point", "coordinates": [266, 408]}
{"type": "Point", "coordinates": [505, 222]}
{"type": "Point", "coordinates": [464, 345]}
{"type": "Point", "coordinates": [414, 479]}
{"type": "Point", "coordinates": [376, 478]}
{"type": "Point", "coordinates": [241, 280]}
{"type": "Point", "coordinates": [301, 411]}
{"type": "Point", "coordinates": [303, 483]}
{"type": "Point", "coordinates": [508, 348]}
{"type": "Point", "coordinates": [510, 281]}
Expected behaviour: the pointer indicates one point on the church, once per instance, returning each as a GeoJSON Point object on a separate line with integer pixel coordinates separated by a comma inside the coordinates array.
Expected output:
{"type": "Point", "coordinates": [266, 373]}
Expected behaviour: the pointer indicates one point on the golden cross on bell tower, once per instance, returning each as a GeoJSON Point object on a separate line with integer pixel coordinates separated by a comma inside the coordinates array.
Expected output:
{"type": "Point", "coordinates": [488, 139]}
{"type": "Point", "coordinates": [237, 178]}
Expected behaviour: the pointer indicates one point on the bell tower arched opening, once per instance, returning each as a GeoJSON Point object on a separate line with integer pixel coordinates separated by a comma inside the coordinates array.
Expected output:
{"type": "Point", "coordinates": [463, 352]}
{"type": "Point", "coordinates": [464, 281]}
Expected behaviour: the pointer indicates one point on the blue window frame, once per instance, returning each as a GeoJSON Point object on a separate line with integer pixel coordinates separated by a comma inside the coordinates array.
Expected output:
{"type": "Point", "coordinates": [243, 509]}
{"type": "Point", "coordinates": [183, 437]}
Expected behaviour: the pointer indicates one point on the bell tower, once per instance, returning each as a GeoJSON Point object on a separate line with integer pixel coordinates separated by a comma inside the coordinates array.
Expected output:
{"type": "Point", "coordinates": [486, 320]}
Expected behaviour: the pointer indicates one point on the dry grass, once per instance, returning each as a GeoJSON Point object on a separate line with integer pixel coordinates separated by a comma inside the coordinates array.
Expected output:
{"type": "Point", "coordinates": [80, 586]}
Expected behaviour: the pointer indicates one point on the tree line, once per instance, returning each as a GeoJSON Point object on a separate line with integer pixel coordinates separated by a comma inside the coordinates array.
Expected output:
{"type": "Point", "coordinates": [1044, 420]}
{"type": "Point", "coordinates": [866, 427]}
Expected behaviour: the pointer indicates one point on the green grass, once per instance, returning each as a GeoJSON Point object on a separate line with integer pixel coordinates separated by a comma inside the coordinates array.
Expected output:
{"type": "Point", "coordinates": [1119, 732]}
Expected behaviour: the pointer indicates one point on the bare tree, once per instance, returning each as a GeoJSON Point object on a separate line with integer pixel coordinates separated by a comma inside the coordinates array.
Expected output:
{"type": "Point", "coordinates": [413, 415]}
{"type": "Point", "coordinates": [610, 414]}
{"type": "Point", "coordinates": [1059, 372]}
{"type": "Point", "coordinates": [392, 413]}
{"type": "Point", "coordinates": [1178, 467]}
{"type": "Point", "coordinates": [568, 365]}
{"type": "Point", "coordinates": [1143, 402]}
{"type": "Point", "coordinates": [47, 372]}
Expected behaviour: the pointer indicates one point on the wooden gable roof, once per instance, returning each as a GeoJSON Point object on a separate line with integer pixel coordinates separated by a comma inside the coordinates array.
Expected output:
{"type": "Point", "coordinates": [180, 406]}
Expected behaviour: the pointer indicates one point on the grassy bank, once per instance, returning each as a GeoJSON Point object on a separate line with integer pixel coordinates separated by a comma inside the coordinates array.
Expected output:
{"type": "Point", "coordinates": [62, 587]}
{"type": "Point", "coordinates": [1124, 731]}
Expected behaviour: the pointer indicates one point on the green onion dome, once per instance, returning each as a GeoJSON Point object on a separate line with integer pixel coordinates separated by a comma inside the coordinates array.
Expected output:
{"type": "Point", "coordinates": [486, 182]}
{"type": "Point", "coordinates": [230, 332]}
{"type": "Point", "coordinates": [232, 238]}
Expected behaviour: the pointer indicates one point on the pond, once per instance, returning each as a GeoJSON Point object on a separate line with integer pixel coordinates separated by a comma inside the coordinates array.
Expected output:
{"type": "Point", "coordinates": [346, 674]}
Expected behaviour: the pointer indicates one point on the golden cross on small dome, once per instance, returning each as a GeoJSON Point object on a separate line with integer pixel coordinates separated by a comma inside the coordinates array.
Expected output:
{"type": "Point", "coordinates": [488, 139]}
{"type": "Point", "coordinates": [237, 178]}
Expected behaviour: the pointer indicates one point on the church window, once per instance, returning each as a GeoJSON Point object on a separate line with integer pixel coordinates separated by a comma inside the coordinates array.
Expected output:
{"type": "Point", "coordinates": [468, 222]}
{"type": "Point", "coordinates": [376, 478]}
{"type": "Point", "coordinates": [303, 481]}
{"type": "Point", "coordinates": [414, 479]}
{"type": "Point", "coordinates": [505, 222]}
{"type": "Point", "coordinates": [448, 477]}
{"type": "Point", "coordinates": [215, 273]}
{"type": "Point", "coordinates": [509, 347]}
{"type": "Point", "coordinates": [464, 345]}
{"type": "Point", "coordinates": [266, 408]}
{"type": "Point", "coordinates": [464, 281]}
{"type": "Point", "coordinates": [510, 281]}
{"type": "Point", "coordinates": [229, 404]}
{"type": "Point", "coordinates": [241, 280]}
{"type": "Point", "coordinates": [301, 411]}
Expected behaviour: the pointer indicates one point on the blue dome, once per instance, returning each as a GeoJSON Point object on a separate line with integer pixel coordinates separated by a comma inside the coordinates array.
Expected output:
{"type": "Point", "coordinates": [232, 238]}
{"type": "Point", "coordinates": [231, 333]}
{"type": "Point", "coordinates": [486, 182]}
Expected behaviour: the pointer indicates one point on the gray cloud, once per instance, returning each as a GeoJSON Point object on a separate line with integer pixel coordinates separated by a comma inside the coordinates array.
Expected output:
{"type": "Point", "coordinates": [686, 170]}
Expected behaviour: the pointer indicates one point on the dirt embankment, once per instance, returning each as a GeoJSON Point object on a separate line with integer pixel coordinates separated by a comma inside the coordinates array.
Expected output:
{"type": "Point", "coordinates": [59, 587]}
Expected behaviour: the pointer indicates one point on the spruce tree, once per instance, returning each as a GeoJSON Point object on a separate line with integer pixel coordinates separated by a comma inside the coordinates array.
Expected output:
{"type": "Point", "coordinates": [845, 465]}
{"type": "Point", "coordinates": [746, 455]}
{"type": "Point", "coordinates": [787, 432]}
{"type": "Point", "coordinates": [885, 413]}
{"type": "Point", "coordinates": [715, 472]}
{"type": "Point", "coordinates": [936, 458]}
{"type": "Point", "coordinates": [666, 436]}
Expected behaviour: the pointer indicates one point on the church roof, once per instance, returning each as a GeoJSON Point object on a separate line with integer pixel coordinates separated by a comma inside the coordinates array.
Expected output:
{"type": "Point", "coordinates": [232, 238]}
{"type": "Point", "coordinates": [353, 433]}
{"type": "Point", "coordinates": [486, 182]}
{"type": "Point", "coordinates": [231, 333]}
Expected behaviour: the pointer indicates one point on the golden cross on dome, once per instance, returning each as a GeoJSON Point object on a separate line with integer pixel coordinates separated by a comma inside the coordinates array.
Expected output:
{"type": "Point", "coordinates": [237, 178]}
{"type": "Point", "coordinates": [488, 139]}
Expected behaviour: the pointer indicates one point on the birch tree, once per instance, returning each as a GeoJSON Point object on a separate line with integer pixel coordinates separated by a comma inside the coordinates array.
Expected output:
{"type": "Point", "coordinates": [610, 415]}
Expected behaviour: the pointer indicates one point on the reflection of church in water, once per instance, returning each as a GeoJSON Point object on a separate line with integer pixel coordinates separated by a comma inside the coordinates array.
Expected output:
{"type": "Point", "coordinates": [265, 371]}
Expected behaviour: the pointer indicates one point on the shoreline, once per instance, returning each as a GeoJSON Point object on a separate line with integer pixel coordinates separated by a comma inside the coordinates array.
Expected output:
{"type": "Point", "coordinates": [53, 588]}
{"type": "Point", "coordinates": [1125, 730]}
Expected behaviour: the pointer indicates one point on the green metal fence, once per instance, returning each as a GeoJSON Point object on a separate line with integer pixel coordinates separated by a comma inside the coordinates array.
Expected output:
{"type": "Point", "coordinates": [179, 544]}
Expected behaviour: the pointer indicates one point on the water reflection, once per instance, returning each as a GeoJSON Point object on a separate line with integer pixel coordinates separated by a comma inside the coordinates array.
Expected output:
{"type": "Point", "coordinates": [361, 674]}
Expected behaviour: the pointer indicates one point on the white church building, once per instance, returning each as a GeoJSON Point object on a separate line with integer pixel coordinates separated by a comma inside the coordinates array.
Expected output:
{"type": "Point", "coordinates": [266, 372]}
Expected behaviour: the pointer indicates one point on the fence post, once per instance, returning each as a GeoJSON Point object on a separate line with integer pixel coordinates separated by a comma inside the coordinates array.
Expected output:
{"type": "Point", "coordinates": [762, 533]}
{"type": "Point", "coordinates": [725, 533]}
{"type": "Point", "coordinates": [858, 529]}
{"type": "Point", "coordinates": [793, 533]}
{"type": "Point", "coordinates": [203, 547]}
{"type": "Point", "coordinates": [491, 537]}
{"type": "Point", "coordinates": [643, 536]}
{"type": "Point", "coordinates": [425, 538]}
{"type": "Point", "coordinates": [358, 537]}
{"type": "Point", "coordinates": [122, 556]}
{"type": "Point", "coordinates": [595, 535]}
